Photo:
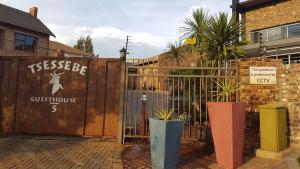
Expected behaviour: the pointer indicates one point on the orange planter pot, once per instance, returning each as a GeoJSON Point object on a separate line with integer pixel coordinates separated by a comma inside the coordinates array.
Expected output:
{"type": "Point", "coordinates": [227, 125]}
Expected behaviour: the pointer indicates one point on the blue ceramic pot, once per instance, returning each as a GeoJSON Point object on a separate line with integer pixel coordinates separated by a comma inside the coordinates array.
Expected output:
{"type": "Point", "coordinates": [165, 139]}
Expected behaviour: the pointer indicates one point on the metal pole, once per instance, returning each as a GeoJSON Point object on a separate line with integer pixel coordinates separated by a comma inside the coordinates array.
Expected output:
{"type": "Point", "coordinates": [122, 96]}
{"type": "Point", "coordinates": [143, 115]}
{"type": "Point", "coordinates": [234, 7]}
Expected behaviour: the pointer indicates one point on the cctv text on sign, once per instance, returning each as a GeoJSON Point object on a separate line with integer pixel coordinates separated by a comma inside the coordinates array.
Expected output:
{"type": "Point", "coordinates": [263, 75]}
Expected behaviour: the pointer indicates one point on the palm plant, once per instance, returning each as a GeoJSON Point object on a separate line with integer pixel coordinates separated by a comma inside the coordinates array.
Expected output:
{"type": "Point", "coordinates": [175, 51]}
{"type": "Point", "coordinates": [194, 26]}
{"type": "Point", "coordinates": [217, 36]}
{"type": "Point", "coordinates": [164, 114]}
{"type": "Point", "coordinates": [221, 37]}
{"type": "Point", "coordinates": [227, 87]}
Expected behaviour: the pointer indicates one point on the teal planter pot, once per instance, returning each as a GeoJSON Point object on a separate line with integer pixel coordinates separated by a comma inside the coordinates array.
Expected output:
{"type": "Point", "coordinates": [165, 142]}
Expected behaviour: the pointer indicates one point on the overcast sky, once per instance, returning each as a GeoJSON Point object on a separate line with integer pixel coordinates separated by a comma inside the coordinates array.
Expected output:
{"type": "Point", "coordinates": [150, 23]}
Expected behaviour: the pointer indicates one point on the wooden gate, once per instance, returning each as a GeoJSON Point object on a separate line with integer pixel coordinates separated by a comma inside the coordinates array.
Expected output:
{"type": "Point", "coordinates": [68, 96]}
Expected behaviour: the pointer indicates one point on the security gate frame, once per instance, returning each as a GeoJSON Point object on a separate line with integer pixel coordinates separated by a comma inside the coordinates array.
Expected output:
{"type": "Point", "coordinates": [151, 86]}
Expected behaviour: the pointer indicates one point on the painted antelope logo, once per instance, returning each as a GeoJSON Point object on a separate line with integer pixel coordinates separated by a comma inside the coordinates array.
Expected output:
{"type": "Point", "coordinates": [55, 82]}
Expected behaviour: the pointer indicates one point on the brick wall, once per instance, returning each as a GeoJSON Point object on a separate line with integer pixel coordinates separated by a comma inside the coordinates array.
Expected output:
{"type": "Point", "coordinates": [287, 91]}
{"type": "Point", "coordinates": [254, 95]}
{"type": "Point", "coordinates": [190, 58]}
{"type": "Point", "coordinates": [279, 13]}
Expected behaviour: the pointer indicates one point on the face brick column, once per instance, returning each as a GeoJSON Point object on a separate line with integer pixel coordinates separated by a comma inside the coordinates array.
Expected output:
{"type": "Point", "coordinates": [254, 95]}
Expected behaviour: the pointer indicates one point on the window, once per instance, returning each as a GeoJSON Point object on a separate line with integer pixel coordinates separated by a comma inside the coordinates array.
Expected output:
{"type": "Point", "coordinates": [259, 35]}
{"type": "Point", "coordinates": [288, 58]}
{"type": "Point", "coordinates": [294, 30]}
{"type": "Point", "coordinates": [1, 38]}
{"type": "Point", "coordinates": [25, 42]}
{"type": "Point", "coordinates": [276, 33]}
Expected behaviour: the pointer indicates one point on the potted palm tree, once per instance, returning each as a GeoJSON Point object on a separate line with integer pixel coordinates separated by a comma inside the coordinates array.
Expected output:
{"type": "Point", "coordinates": [165, 137]}
{"type": "Point", "coordinates": [218, 39]}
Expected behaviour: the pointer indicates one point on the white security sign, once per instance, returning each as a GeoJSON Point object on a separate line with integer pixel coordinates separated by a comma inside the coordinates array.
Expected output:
{"type": "Point", "coordinates": [263, 75]}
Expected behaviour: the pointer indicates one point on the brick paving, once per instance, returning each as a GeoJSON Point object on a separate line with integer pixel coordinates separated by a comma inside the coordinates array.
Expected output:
{"type": "Point", "coordinates": [89, 153]}
{"type": "Point", "coordinates": [192, 156]}
{"type": "Point", "coordinates": [58, 154]}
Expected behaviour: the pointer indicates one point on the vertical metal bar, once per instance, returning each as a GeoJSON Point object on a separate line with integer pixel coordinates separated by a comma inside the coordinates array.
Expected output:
{"type": "Point", "coordinates": [173, 91]}
{"type": "Point", "coordinates": [157, 91]}
{"type": "Point", "coordinates": [162, 92]}
{"type": "Point", "coordinates": [183, 95]}
{"type": "Point", "coordinates": [146, 119]}
{"type": "Point", "coordinates": [136, 113]}
{"type": "Point", "coordinates": [178, 95]}
{"type": "Point", "coordinates": [194, 111]}
{"type": "Point", "coordinates": [189, 127]}
{"type": "Point", "coordinates": [183, 106]}
{"type": "Point", "coordinates": [205, 99]}
{"type": "Point", "coordinates": [211, 89]}
{"type": "Point", "coordinates": [126, 104]}
{"type": "Point", "coordinates": [237, 74]}
{"type": "Point", "coordinates": [200, 108]}
{"type": "Point", "coordinates": [131, 100]}
{"type": "Point", "coordinates": [287, 32]}
{"type": "Point", "coordinates": [218, 79]}
{"type": "Point", "coordinates": [168, 85]}
{"type": "Point", "coordinates": [150, 97]}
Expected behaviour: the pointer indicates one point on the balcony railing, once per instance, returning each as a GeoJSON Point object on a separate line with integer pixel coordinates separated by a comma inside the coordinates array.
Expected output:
{"type": "Point", "coordinates": [276, 33]}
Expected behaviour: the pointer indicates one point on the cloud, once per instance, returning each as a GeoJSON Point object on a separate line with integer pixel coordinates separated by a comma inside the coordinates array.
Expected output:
{"type": "Point", "coordinates": [151, 24]}
{"type": "Point", "coordinates": [109, 47]}
{"type": "Point", "coordinates": [191, 9]}
{"type": "Point", "coordinates": [109, 40]}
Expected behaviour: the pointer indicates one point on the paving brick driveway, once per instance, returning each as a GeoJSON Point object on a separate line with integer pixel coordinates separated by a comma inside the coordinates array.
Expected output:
{"type": "Point", "coordinates": [193, 156]}
{"type": "Point", "coordinates": [91, 153]}
{"type": "Point", "coordinates": [56, 154]}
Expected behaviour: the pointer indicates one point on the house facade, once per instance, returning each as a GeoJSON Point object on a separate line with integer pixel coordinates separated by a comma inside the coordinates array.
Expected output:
{"type": "Point", "coordinates": [57, 49]}
{"type": "Point", "coordinates": [22, 33]}
{"type": "Point", "coordinates": [271, 28]}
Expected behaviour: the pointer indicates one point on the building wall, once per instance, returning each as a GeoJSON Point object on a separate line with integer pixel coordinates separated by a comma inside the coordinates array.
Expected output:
{"type": "Point", "coordinates": [287, 92]}
{"type": "Point", "coordinates": [9, 42]}
{"type": "Point", "coordinates": [189, 59]}
{"type": "Point", "coordinates": [284, 12]}
{"type": "Point", "coordinates": [55, 53]}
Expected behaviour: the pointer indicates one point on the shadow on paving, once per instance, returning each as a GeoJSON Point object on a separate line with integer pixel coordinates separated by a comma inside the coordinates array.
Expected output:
{"type": "Point", "coordinates": [191, 156]}
{"type": "Point", "coordinates": [55, 152]}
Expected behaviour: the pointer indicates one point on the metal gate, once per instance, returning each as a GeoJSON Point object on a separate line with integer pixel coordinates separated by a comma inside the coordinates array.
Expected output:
{"type": "Point", "coordinates": [151, 86]}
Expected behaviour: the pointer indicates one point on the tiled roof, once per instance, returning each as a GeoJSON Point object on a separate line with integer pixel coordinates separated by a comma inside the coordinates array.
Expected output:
{"type": "Point", "coordinates": [57, 45]}
{"type": "Point", "coordinates": [22, 19]}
